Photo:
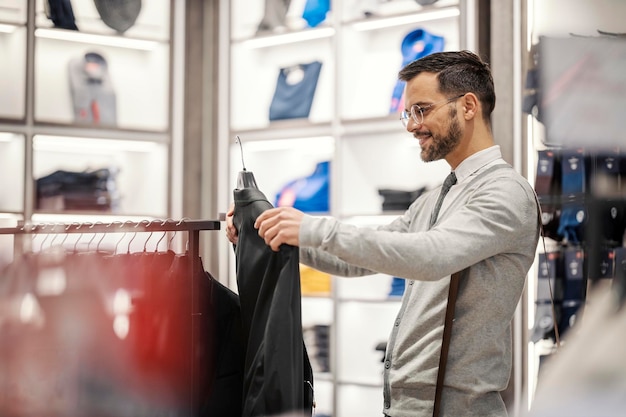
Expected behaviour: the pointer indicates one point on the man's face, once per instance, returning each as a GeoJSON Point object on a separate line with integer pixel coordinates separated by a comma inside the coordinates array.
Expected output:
{"type": "Point", "coordinates": [437, 143]}
{"type": "Point", "coordinates": [440, 131]}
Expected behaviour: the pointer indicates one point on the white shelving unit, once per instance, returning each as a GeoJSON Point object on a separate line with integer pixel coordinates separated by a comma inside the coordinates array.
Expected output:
{"type": "Point", "coordinates": [349, 125]}
{"type": "Point", "coordinates": [39, 133]}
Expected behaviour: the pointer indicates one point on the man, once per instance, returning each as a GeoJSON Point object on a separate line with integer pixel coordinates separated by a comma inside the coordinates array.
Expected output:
{"type": "Point", "coordinates": [487, 227]}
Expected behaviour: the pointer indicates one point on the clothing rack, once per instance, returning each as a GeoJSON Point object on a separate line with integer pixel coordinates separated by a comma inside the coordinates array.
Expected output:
{"type": "Point", "coordinates": [191, 227]}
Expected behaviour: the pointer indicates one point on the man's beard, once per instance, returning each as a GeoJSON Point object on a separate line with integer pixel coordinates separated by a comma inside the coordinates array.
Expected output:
{"type": "Point", "coordinates": [440, 145]}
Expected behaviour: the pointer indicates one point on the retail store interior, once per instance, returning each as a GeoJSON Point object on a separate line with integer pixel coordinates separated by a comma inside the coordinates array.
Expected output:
{"type": "Point", "coordinates": [126, 126]}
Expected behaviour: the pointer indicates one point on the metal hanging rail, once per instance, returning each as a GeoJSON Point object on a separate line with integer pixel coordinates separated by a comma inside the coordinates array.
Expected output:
{"type": "Point", "coordinates": [113, 227]}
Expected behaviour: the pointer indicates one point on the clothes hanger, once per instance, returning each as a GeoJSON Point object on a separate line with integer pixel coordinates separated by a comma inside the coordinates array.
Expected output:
{"type": "Point", "coordinates": [245, 179]}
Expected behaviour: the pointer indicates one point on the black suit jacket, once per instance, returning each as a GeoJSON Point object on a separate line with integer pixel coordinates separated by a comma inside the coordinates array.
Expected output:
{"type": "Point", "coordinates": [277, 372]}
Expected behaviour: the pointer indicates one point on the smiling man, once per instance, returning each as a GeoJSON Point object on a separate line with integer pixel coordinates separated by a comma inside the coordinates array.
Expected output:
{"type": "Point", "coordinates": [486, 228]}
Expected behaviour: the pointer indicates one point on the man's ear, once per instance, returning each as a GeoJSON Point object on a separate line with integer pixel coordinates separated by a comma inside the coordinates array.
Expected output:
{"type": "Point", "coordinates": [471, 106]}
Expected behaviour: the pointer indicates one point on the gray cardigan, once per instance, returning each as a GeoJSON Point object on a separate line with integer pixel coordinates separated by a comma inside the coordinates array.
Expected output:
{"type": "Point", "coordinates": [489, 227]}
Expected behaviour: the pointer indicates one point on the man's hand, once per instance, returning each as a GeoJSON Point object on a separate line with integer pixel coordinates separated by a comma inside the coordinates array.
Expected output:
{"type": "Point", "coordinates": [280, 225]}
{"type": "Point", "coordinates": [231, 230]}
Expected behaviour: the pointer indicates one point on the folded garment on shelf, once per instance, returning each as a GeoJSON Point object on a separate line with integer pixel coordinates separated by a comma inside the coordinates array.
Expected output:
{"type": "Point", "coordinates": [398, 199]}
{"type": "Point", "coordinates": [69, 190]}
{"type": "Point", "coordinates": [397, 287]}
{"type": "Point", "coordinates": [98, 201]}
{"type": "Point", "coordinates": [317, 341]}
{"type": "Point", "coordinates": [314, 282]}
{"type": "Point", "coordinates": [61, 14]}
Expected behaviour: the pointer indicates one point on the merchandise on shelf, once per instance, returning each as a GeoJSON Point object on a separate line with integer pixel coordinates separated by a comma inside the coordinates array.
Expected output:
{"type": "Point", "coordinates": [68, 190]}
{"type": "Point", "coordinates": [93, 95]}
{"type": "Point", "coordinates": [314, 282]}
{"type": "Point", "coordinates": [416, 44]}
{"type": "Point", "coordinates": [61, 14]}
{"type": "Point", "coordinates": [568, 184]}
{"type": "Point", "coordinates": [620, 272]}
{"type": "Point", "coordinates": [120, 15]}
{"type": "Point", "coordinates": [565, 180]}
{"type": "Point", "coordinates": [315, 11]}
{"type": "Point", "coordinates": [274, 15]}
{"type": "Point", "coordinates": [317, 341]}
{"type": "Point", "coordinates": [572, 221]}
{"type": "Point", "coordinates": [397, 287]}
{"type": "Point", "coordinates": [398, 199]}
{"type": "Point", "coordinates": [549, 295]}
{"type": "Point", "coordinates": [308, 194]}
{"type": "Point", "coordinates": [295, 89]}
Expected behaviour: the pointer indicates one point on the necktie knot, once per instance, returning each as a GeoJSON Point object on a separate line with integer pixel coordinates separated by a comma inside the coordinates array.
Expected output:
{"type": "Point", "coordinates": [447, 184]}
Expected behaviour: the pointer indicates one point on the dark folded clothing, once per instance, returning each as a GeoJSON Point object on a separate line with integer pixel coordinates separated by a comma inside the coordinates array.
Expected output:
{"type": "Point", "coordinates": [398, 199]}
{"type": "Point", "coordinates": [60, 182]}
{"type": "Point", "coordinates": [66, 190]}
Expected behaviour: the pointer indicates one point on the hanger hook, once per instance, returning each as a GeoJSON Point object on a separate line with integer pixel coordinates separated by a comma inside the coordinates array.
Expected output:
{"type": "Point", "coordinates": [122, 224]}
{"type": "Point", "coordinates": [46, 236]}
{"type": "Point", "coordinates": [238, 140]}
{"type": "Point", "coordinates": [169, 245]}
{"type": "Point", "coordinates": [102, 238]}
{"type": "Point", "coordinates": [156, 248]}
{"type": "Point", "coordinates": [56, 235]}
{"type": "Point", "coordinates": [66, 235]}
{"type": "Point", "coordinates": [54, 238]}
{"type": "Point", "coordinates": [33, 235]}
{"type": "Point", "coordinates": [90, 225]}
{"type": "Point", "coordinates": [135, 234]}
{"type": "Point", "coordinates": [78, 226]}
{"type": "Point", "coordinates": [145, 244]}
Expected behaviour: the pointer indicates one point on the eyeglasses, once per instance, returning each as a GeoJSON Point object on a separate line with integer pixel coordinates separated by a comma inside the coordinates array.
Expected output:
{"type": "Point", "coordinates": [418, 112]}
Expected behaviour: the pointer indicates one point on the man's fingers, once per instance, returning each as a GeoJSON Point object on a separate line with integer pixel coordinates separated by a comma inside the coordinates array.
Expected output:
{"type": "Point", "coordinates": [267, 214]}
{"type": "Point", "coordinates": [276, 227]}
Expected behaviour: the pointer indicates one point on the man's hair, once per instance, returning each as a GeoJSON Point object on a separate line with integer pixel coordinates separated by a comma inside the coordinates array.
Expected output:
{"type": "Point", "coordinates": [458, 72]}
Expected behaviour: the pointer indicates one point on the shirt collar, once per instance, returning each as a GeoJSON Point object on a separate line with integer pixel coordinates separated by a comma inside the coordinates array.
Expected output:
{"type": "Point", "coordinates": [475, 162]}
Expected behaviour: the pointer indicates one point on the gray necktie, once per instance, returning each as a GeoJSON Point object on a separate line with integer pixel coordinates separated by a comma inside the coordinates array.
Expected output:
{"type": "Point", "coordinates": [447, 184]}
